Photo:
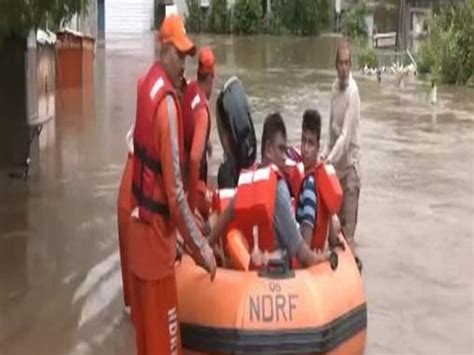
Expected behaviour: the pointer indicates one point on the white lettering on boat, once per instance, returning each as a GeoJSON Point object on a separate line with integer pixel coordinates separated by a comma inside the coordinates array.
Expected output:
{"type": "Point", "coordinates": [272, 307]}
{"type": "Point", "coordinates": [173, 330]}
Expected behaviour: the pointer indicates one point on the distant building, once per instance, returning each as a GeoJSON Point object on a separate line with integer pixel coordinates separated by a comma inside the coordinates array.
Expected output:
{"type": "Point", "coordinates": [117, 18]}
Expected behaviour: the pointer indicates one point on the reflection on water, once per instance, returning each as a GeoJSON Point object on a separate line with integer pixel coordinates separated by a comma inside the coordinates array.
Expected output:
{"type": "Point", "coordinates": [59, 276]}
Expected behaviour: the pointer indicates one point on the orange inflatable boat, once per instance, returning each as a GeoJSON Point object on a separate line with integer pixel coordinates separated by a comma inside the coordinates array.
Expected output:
{"type": "Point", "coordinates": [275, 310]}
{"type": "Point", "coordinates": [321, 309]}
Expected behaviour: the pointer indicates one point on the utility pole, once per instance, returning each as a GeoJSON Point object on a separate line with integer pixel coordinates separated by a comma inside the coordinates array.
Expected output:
{"type": "Point", "coordinates": [337, 9]}
{"type": "Point", "coordinates": [403, 25]}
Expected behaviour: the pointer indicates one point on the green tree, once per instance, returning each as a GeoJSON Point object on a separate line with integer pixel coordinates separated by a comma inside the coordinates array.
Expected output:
{"type": "Point", "coordinates": [18, 17]}
{"type": "Point", "coordinates": [301, 17]}
{"type": "Point", "coordinates": [448, 53]}
{"type": "Point", "coordinates": [247, 16]}
{"type": "Point", "coordinates": [353, 21]}
{"type": "Point", "coordinates": [219, 17]}
{"type": "Point", "coordinates": [196, 18]}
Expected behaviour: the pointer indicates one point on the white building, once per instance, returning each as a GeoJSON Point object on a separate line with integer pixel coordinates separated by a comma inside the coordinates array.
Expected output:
{"type": "Point", "coordinates": [127, 17]}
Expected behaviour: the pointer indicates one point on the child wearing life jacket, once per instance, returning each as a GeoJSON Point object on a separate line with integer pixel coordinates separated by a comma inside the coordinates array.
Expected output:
{"type": "Point", "coordinates": [263, 197]}
{"type": "Point", "coordinates": [320, 194]}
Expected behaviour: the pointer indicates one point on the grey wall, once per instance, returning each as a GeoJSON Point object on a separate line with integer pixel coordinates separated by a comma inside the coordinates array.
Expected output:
{"type": "Point", "coordinates": [13, 125]}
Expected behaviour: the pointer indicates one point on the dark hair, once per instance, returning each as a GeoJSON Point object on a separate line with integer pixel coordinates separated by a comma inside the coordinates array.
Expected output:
{"type": "Point", "coordinates": [312, 122]}
{"type": "Point", "coordinates": [273, 125]}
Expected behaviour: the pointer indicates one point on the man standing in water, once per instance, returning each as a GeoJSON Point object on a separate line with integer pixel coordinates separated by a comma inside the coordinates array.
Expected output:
{"type": "Point", "coordinates": [162, 207]}
{"type": "Point", "coordinates": [343, 149]}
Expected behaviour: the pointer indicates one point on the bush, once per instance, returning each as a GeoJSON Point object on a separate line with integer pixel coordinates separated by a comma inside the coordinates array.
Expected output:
{"type": "Point", "coordinates": [273, 25]}
{"type": "Point", "coordinates": [312, 17]}
{"type": "Point", "coordinates": [247, 16]}
{"type": "Point", "coordinates": [353, 21]}
{"type": "Point", "coordinates": [365, 55]}
{"type": "Point", "coordinates": [448, 53]}
{"type": "Point", "coordinates": [301, 17]}
{"type": "Point", "coordinates": [425, 58]}
{"type": "Point", "coordinates": [219, 17]}
{"type": "Point", "coordinates": [196, 19]}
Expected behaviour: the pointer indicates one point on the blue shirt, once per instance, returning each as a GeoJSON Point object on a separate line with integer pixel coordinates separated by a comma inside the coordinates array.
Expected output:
{"type": "Point", "coordinates": [308, 203]}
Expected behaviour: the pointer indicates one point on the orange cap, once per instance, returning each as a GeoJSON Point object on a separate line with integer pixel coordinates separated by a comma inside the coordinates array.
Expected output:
{"type": "Point", "coordinates": [172, 31]}
{"type": "Point", "coordinates": [206, 61]}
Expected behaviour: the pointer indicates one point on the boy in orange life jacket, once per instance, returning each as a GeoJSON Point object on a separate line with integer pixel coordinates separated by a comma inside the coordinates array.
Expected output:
{"type": "Point", "coordinates": [288, 237]}
{"type": "Point", "coordinates": [308, 201]}
{"type": "Point", "coordinates": [197, 128]}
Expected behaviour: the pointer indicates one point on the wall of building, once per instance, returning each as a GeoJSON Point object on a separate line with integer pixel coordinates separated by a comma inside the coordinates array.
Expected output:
{"type": "Point", "coordinates": [13, 122]}
{"type": "Point", "coordinates": [124, 17]}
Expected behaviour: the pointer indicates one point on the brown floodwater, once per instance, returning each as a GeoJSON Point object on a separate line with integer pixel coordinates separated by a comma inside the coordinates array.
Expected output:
{"type": "Point", "coordinates": [60, 284]}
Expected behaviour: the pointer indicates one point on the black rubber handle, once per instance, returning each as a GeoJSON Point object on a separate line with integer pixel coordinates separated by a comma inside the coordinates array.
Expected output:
{"type": "Point", "coordinates": [333, 260]}
{"type": "Point", "coordinates": [277, 266]}
{"type": "Point", "coordinates": [359, 264]}
{"type": "Point", "coordinates": [276, 269]}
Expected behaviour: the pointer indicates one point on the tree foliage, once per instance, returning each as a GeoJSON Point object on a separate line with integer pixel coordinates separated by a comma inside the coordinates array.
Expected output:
{"type": "Point", "coordinates": [448, 53]}
{"type": "Point", "coordinates": [302, 17]}
{"type": "Point", "coordinates": [247, 16]}
{"type": "Point", "coordinates": [219, 18]}
{"type": "Point", "coordinates": [18, 17]}
{"type": "Point", "coordinates": [299, 17]}
{"type": "Point", "coordinates": [195, 19]}
{"type": "Point", "coordinates": [353, 21]}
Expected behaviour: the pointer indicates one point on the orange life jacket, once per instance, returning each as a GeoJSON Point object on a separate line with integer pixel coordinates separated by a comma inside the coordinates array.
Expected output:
{"type": "Point", "coordinates": [294, 174]}
{"type": "Point", "coordinates": [146, 163]}
{"type": "Point", "coordinates": [194, 99]}
{"type": "Point", "coordinates": [255, 205]}
{"type": "Point", "coordinates": [329, 197]}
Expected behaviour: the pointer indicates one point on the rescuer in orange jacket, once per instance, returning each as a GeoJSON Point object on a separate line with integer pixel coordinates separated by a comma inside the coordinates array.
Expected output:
{"type": "Point", "coordinates": [197, 129]}
{"type": "Point", "coordinates": [125, 205]}
{"type": "Point", "coordinates": [162, 207]}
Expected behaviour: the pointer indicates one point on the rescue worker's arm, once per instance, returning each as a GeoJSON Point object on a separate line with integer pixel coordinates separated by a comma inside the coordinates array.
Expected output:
{"type": "Point", "coordinates": [197, 151]}
{"type": "Point", "coordinates": [166, 125]}
{"type": "Point", "coordinates": [287, 230]}
{"type": "Point", "coordinates": [351, 119]}
{"type": "Point", "coordinates": [202, 223]}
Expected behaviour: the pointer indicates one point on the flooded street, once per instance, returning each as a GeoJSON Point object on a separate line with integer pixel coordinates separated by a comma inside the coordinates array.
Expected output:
{"type": "Point", "coordinates": [60, 283]}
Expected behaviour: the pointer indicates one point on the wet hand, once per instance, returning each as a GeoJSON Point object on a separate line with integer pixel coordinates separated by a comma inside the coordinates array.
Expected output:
{"type": "Point", "coordinates": [202, 224]}
{"type": "Point", "coordinates": [322, 256]}
{"type": "Point", "coordinates": [257, 258]}
{"type": "Point", "coordinates": [336, 242]}
{"type": "Point", "coordinates": [219, 253]}
{"type": "Point", "coordinates": [208, 260]}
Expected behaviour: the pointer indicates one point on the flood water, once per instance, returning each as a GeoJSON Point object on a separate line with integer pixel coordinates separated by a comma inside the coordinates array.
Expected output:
{"type": "Point", "coordinates": [60, 285]}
